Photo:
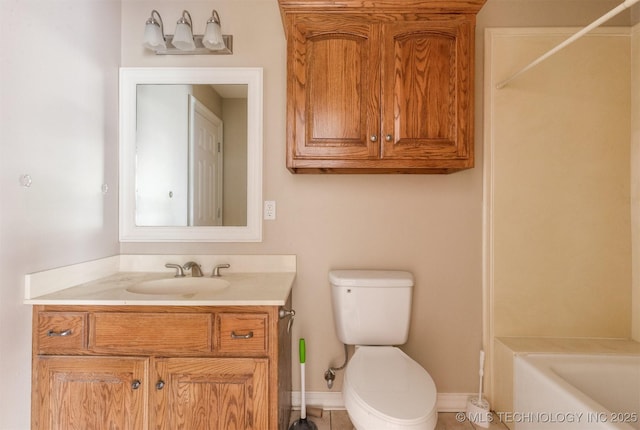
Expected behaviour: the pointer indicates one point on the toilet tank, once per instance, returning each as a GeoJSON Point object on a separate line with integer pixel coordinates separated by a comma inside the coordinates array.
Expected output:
{"type": "Point", "coordinates": [371, 307]}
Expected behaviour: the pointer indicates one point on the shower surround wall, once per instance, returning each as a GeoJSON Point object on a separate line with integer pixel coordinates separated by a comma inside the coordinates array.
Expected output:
{"type": "Point", "coordinates": [562, 149]}
{"type": "Point", "coordinates": [635, 178]}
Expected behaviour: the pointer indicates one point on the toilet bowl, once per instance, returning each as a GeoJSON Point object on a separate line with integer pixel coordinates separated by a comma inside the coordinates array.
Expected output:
{"type": "Point", "coordinates": [384, 389]}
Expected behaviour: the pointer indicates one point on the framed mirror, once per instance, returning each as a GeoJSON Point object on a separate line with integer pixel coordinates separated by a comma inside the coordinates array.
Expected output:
{"type": "Point", "coordinates": [190, 154]}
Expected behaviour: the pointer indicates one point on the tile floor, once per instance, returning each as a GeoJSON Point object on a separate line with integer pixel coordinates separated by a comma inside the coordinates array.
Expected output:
{"type": "Point", "coordinates": [339, 420]}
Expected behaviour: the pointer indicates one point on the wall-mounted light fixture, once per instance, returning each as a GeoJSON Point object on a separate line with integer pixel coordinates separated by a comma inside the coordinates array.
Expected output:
{"type": "Point", "coordinates": [184, 41]}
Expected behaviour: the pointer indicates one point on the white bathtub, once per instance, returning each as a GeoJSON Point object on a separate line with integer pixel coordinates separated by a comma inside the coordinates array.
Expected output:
{"type": "Point", "coordinates": [567, 391]}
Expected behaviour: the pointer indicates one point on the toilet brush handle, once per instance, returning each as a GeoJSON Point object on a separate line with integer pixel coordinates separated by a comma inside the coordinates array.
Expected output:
{"type": "Point", "coordinates": [481, 372]}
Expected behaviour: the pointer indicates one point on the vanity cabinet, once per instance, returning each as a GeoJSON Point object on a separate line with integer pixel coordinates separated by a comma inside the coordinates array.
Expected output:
{"type": "Point", "coordinates": [152, 367]}
{"type": "Point", "coordinates": [386, 88]}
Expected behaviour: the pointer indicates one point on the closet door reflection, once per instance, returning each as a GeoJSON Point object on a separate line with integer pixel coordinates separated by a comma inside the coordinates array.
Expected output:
{"type": "Point", "coordinates": [205, 166]}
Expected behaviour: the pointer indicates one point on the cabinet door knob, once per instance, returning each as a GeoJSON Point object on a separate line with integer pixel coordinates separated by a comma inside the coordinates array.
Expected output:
{"type": "Point", "coordinates": [388, 138]}
{"type": "Point", "coordinates": [373, 138]}
{"type": "Point", "coordinates": [136, 384]}
{"type": "Point", "coordinates": [160, 385]}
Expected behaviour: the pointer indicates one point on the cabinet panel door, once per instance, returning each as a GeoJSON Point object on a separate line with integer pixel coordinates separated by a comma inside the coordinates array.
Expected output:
{"type": "Point", "coordinates": [211, 394]}
{"type": "Point", "coordinates": [91, 393]}
{"type": "Point", "coordinates": [427, 88]}
{"type": "Point", "coordinates": [333, 88]}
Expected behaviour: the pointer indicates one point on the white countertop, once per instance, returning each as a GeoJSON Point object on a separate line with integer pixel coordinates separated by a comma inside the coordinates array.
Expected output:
{"type": "Point", "coordinates": [103, 282]}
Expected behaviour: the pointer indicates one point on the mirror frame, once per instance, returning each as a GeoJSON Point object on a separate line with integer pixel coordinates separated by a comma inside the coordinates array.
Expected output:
{"type": "Point", "coordinates": [130, 77]}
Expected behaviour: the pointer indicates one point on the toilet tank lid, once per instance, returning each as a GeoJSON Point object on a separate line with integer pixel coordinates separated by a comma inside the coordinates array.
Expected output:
{"type": "Point", "coordinates": [371, 278]}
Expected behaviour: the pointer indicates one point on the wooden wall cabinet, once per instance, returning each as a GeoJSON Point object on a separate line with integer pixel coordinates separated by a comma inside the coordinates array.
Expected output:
{"type": "Point", "coordinates": [380, 87]}
{"type": "Point", "coordinates": [161, 368]}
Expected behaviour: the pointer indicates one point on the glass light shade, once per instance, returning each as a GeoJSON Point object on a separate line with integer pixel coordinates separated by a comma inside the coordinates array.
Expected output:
{"type": "Point", "coordinates": [183, 38]}
{"type": "Point", "coordinates": [212, 38]}
{"type": "Point", "coordinates": [153, 37]}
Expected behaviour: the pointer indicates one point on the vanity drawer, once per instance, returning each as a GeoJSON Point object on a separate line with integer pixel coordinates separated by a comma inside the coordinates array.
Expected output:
{"type": "Point", "coordinates": [153, 333]}
{"type": "Point", "coordinates": [62, 332]}
{"type": "Point", "coordinates": [242, 333]}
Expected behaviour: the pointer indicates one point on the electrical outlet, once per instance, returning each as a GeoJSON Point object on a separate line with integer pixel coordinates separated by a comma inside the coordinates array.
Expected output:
{"type": "Point", "coordinates": [269, 209]}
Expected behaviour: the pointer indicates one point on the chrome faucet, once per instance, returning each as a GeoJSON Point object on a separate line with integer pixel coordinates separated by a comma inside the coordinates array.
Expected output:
{"type": "Point", "coordinates": [179, 271]}
{"type": "Point", "coordinates": [196, 270]}
{"type": "Point", "coordinates": [216, 270]}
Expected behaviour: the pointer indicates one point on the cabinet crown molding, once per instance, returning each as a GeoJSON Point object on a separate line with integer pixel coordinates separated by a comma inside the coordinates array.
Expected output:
{"type": "Point", "coordinates": [359, 6]}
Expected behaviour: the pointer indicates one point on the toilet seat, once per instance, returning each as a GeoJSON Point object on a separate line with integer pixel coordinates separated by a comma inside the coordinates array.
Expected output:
{"type": "Point", "coordinates": [385, 389]}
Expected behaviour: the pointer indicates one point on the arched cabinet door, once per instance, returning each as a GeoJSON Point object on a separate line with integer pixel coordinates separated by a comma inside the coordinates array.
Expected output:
{"type": "Point", "coordinates": [427, 89]}
{"type": "Point", "coordinates": [333, 89]}
{"type": "Point", "coordinates": [221, 394]}
{"type": "Point", "coordinates": [91, 393]}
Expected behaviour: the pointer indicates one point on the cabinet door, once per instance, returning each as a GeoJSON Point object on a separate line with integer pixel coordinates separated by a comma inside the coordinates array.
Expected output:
{"type": "Point", "coordinates": [210, 394]}
{"type": "Point", "coordinates": [428, 90]}
{"type": "Point", "coordinates": [90, 393]}
{"type": "Point", "coordinates": [333, 90]}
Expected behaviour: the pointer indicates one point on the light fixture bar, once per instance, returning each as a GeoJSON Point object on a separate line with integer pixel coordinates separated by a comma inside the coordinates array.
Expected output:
{"type": "Point", "coordinates": [187, 43]}
{"type": "Point", "coordinates": [199, 49]}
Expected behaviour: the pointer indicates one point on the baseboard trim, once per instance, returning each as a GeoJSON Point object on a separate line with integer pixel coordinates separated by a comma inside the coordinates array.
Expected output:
{"type": "Point", "coordinates": [329, 400]}
{"type": "Point", "coordinates": [453, 402]}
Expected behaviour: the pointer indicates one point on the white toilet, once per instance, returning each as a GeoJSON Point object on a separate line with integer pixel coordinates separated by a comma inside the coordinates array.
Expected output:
{"type": "Point", "coordinates": [383, 388]}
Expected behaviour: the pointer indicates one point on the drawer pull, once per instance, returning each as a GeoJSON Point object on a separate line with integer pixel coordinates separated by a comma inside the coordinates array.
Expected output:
{"type": "Point", "coordinates": [160, 385]}
{"type": "Point", "coordinates": [136, 384]}
{"type": "Point", "coordinates": [64, 333]}
{"type": "Point", "coordinates": [241, 336]}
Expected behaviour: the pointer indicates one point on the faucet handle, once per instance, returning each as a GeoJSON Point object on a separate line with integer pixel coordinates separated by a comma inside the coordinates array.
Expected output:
{"type": "Point", "coordinates": [179, 271]}
{"type": "Point", "coordinates": [216, 270]}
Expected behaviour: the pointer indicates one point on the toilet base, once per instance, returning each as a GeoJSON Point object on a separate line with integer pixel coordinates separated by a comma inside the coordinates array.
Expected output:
{"type": "Point", "coordinates": [362, 421]}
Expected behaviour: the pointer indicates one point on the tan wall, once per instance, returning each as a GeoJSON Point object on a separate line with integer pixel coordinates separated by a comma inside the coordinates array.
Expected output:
{"type": "Point", "coordinates": [235, 162]}
{"type": "Point", "coordinates": [430, 225]}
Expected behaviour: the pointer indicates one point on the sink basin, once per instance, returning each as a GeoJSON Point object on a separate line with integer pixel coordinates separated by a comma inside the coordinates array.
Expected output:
{"type": "Point", "coordinates": [179, 286]}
